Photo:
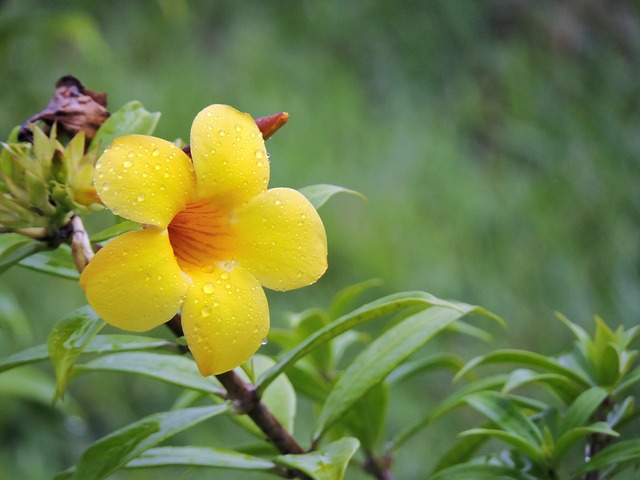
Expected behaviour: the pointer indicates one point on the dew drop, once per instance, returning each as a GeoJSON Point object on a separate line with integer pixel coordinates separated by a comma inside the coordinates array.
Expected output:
{"type": "Point", "coordinates": [238, 128]}
{"type": "Point", "coordinates": [141, 197]}
{"type": "Point", "coordinates": [127, 163]}
{"type": "Point", "coordinates": [224, 276]}
{"type": "Point", "coordinates": [221, 132]}
{"type": "Point", "coordinates": [216, 304]}
{"type": "Point", "coordinates": [264, 341]}
{"type": "Point", "coordinates": [106, 187]}
{"type": "Point", "coordinates": [131, 154]}
{"type": "Point", "coordinates": [205, 311]}
{"type": "Point", "coordinates": [259, 164]}
{"type": "Point", "coordinates": [259, 154]}
{"type": "Point", "coordinates": [278, 201]}
{"type": "Point", "coordinates": [155, 153]}
{"type": "Point", "coordinates": [209, 114]}
{"type": "Point", "coordinates": [208, 288]}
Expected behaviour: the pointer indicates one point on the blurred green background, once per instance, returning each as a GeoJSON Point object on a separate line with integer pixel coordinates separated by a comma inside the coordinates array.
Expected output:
{"type": "Point", "coordinates": [497, 142]}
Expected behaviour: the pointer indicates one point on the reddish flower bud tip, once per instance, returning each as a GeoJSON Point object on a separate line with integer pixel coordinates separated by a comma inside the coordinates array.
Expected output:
{"type": "Point", "coordinates": [271, 124]}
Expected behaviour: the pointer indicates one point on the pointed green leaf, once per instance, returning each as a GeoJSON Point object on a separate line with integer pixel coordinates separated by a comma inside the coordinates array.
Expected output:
{"type": "Point", "coordinates": [368, 416]}
{"type": "Point", "coordinates": [519, 443]}
{"type": "Point", "coordinates": [56, 262]}
{"type": "Point", "coordinates": [527, 359]}
{"type": "Point", "coordinates": [437, 361]}
{"type": "Point", "coordinates": [582, 409]}
{"type": "Point", "coordinates": [381, 357]}
{"type": "Point", "coordinates": [620, 454]}
{"type": "Point", "coordinates": [67, 340]}
{"type": "Point", "coordinates": [29, 355]}
{"type": "Point", "coordinates": [320, 194]}
{"type": "Point", "coordinates": [506, 415]}
{"type": "Point", "coordinates": [563, 387]}
{"type": "Point", "coordinates": [115, 230]}
{"type": "Point", "coordinates": [128, 119]}
{"type": "Point", "coordinates": [449, 403]}
{"type": "Point", "coordinates": [173, 369]}
{"type": "Point", "coordinates": [376, 309]}
{"type": "Point", "coordinates": [567, 439]}
{"type": "Point", "coordinates": [462, 450]}
{"type": "Point", "coordinates": [15, 247]}
{"type": "Point", "coordinates": [346, 298]}
{"type": "Point", "coordinates": [479, 471]}
{"type": "Point", "coordinates": [114, 451]}
{"type": "Point", "coordinates": [328, 463]}
{"type": "Point", "coordinates": [199, 457]}
{"type": "Point", "coordinates": [99, 344]}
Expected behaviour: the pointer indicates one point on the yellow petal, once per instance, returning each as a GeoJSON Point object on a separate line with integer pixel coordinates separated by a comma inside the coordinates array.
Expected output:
{"type": "Point", "coordinates": [225, 318]}
{"type": "Point", "coordinates": [134, 282]}
{"type": "Point", "coordinates": [281, 240]}
{"type": "Point", "coordinates": [144, 179]}
{"type": "Point", "coordinates": [228, 154]}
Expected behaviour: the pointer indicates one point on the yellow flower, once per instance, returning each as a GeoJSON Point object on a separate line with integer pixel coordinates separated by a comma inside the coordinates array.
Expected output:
{"type": "Point", "coordinates": [213, 236]}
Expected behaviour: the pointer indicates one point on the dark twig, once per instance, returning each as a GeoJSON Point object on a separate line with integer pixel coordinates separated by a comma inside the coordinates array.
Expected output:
{"type": "Point", "coordinates": [378, 467]}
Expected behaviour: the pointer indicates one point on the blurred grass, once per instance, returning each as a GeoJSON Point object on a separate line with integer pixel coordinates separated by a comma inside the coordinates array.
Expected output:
{"type": "Point", "coordinates": [498, 142]}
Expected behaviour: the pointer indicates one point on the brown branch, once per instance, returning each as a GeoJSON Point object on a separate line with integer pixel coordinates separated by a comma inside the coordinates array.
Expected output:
{"type": "Point", "coordinates": [378, 467]}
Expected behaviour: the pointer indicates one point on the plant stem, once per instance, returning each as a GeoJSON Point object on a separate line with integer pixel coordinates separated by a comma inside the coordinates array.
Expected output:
{"type": "Point", "coordinates": [378, 466]}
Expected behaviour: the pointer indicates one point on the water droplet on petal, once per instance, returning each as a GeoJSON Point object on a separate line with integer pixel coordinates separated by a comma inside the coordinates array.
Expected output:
{"type": "Point", "coordinates": [205, 311]}
{"type": "Point", "coordinates": [222, 132]}
{"type": "Point", "coordinates": [141, 197]}
{"type": "Point", "coordinates": [208, 288]}
{"type": "Point", "coordinates": [264, 341]}
{"type": "Point", "coordinates": [209, 114]}
{"type": "Point", "coordinates": [224, 276]}
{"type": "Point", "coordinates": [127, 163]}
{"type": "Point", "coordinates": [106, 187]}
{"type": "Point", "coordinates": [259, 154]}
{"type": "Point", "coordinates": [278, 201]}
{"type": "Point", "coordinates": [155, 153]}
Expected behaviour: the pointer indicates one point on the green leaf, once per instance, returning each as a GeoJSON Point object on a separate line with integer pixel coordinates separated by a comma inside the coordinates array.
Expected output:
{"type": "Point", "coordinates": [67, 340]}
{"type": "Point", "coordinates": [117, 449]}
{"type": "Point", "coordinates": [620, 454]}
{"type": "Point", "coordinates": [318, 195]}
{"type": "Point", "coordinates": [575, 434]}
{"type": "Point", "coordinates": [115, 230]}
{"type": "Point", "coordinates": [99, 344]}
{"type": "Point", "coordinates": [368, 416]}
{"type": "Point", "coordinates": [528, 359]}
{"type": "Point", "coordinates": [519, 443]}
{"type": "Point", "coordinates": [29, 355]}
{"type": "Point", "coordinates": [198, 457]}
{"type": "Point", "coordinates": [345, 299]}
{"type": "Point", "coordinates": [15, 247]}
{"type": "Point", "coordinates": [449, 403]}
{"type": "Point", "coordinates": [627, 382]}
{"type": "Point", "coordinates": [480, 471]}
{"type": "Point", "coordinates": [582, 409]}
{"type": "Point", "coordinates": [376, 309]}
{"type": "Point", "coordinates": [306, 380]}
{"type": "Point", "coordinates": [381, 357]}
{"type": "Point", "coordinates": [28, 384]}
{"type": "Point", "coordinates": [58, 262]}
{"type": "Point", "coordinates": [461, 451]}
{"type": "Point", "coordinates": [14, 323]}
{"type": "Point", "coordinates": [505, 414]}
{"type": "Point", "coordinates": [437, 361]}
{"type": "Point", "coordinates": [173, 369]}
{"type": "Point", "coordinates": [128, 119]}
{"type": "Point", "coordinates": [564, 388]}
{"type": "Point", "coordinates": [328, 463]}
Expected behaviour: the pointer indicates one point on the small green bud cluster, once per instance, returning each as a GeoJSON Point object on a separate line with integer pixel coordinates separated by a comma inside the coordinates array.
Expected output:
{"type": "Point", "coordinates": [44, 183]}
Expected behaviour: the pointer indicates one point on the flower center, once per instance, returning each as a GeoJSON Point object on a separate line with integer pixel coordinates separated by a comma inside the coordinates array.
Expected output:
{"type": "Point", "coordinates": [201, 235]}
